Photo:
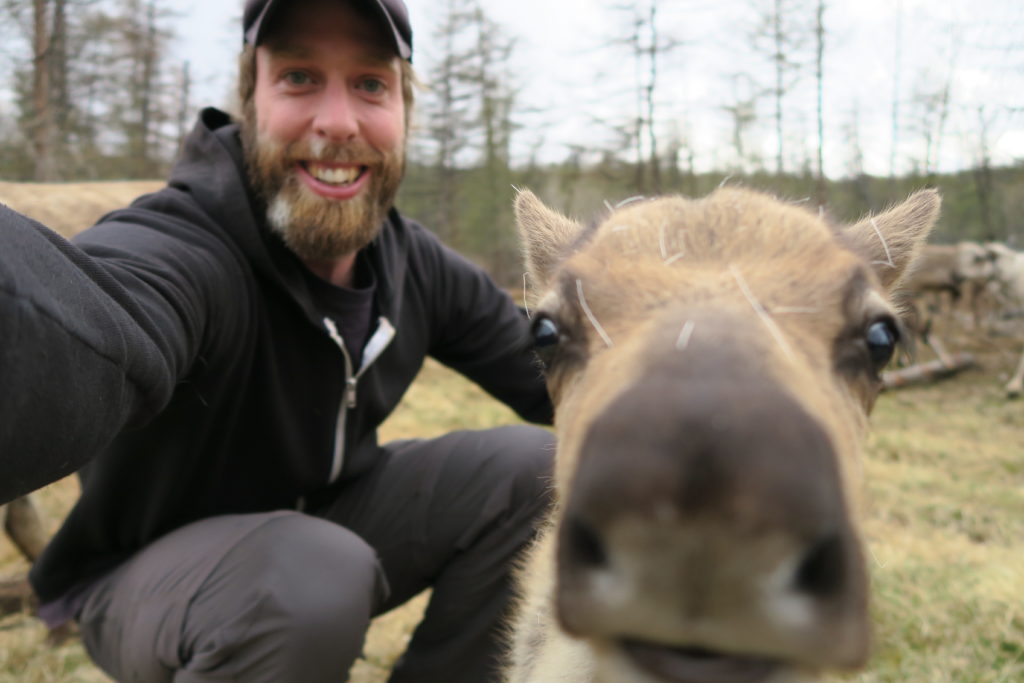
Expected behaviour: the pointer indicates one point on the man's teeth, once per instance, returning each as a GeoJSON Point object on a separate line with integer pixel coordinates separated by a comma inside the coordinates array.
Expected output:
{"type": "Point", "coordinates": [334, 175]}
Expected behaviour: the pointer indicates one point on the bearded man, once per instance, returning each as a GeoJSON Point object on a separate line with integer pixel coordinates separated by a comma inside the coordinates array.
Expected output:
{"type": "Point", "coordinates": [221, 354]}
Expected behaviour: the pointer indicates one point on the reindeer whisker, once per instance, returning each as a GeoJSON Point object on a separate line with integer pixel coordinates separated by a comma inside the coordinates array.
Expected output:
{"type": "Point", "coordinates": [794, 309]}
{"type": "Point", "coordinates": [630, 200]}
{"type": "Point", "coordinates": [888, 254]}
{"type": "Point", "coordinates": [609, 205]}
{"type": "Point", "coordinates": [661, 241]}
{"type": "Point", "coordinates": [874, 557]}
{"type": "Point", "coordinates": [672, 259]}
{"type": "Point", "coordinates": [590, 314]}
{"type": "Point", "coordinates": [684, 336]}
{"type": "Point", "coordinates": [526, 301]}
{"type": "Point", "coordinates": [773, 329]}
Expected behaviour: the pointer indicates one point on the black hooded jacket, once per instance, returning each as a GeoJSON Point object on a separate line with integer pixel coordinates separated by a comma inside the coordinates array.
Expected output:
{"type": "Point", "coordinates": [178, 349]}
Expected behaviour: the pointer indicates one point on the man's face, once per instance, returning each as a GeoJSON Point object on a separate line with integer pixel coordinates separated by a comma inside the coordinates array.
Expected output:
{"type": "Point", "coordinates": [327, 145]}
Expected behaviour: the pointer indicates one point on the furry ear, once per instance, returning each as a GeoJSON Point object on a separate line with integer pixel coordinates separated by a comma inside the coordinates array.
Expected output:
{"type": "Point", "coordinates": [891, 240]}
{"type": "Point", "coordinates": [545, 234]}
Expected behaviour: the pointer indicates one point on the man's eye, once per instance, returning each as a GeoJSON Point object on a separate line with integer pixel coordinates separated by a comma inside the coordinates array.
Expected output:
{"type": "Point", "coordinates": [373, 86]}
{"type": "Point", "coordinates": [296, 78]}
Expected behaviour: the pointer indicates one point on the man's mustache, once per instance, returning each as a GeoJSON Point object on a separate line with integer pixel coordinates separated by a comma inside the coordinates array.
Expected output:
{"type": "Point", "coordinates": [323, 152]}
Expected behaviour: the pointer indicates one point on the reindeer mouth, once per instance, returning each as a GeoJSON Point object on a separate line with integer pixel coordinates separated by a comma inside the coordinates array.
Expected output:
{"type": "Point", "coordinates": [696, 665]}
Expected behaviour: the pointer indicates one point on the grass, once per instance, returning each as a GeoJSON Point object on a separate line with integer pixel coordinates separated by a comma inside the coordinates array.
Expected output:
{"type": "Point", "coordinates": [69, 208]}
{"type": "Point", "coordinates": [945, 485]}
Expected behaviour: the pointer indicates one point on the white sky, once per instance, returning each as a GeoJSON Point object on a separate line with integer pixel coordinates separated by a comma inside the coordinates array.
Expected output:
{"type": "Point", "coordinates": [566, 76]}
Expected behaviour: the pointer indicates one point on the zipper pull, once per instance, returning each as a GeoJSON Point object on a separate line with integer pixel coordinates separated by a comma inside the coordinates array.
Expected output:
{"type": "Point", "coordinates": [350, 392]}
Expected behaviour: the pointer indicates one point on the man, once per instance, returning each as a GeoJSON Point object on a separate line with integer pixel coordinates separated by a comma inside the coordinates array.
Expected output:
{"type": "Point", "coordinates": [223, 351]}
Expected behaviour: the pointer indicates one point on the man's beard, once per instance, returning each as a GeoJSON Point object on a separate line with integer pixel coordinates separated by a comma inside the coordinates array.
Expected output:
{"type": "Point", "coordinates": [317, 228]}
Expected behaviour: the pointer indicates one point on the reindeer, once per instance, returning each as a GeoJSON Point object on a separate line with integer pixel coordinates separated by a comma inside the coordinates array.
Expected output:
{"type": "Point", "coordinates": [1009, 276]}
{"type": "Point", "coordinates": [950, 273]}
{"type": "Point", "coordinates": [712, 364]}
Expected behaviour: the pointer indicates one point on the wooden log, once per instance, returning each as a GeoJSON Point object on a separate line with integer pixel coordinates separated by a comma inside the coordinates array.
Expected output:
{"type": "Point", "coordinates": [16, 596]}
{"type": "Point", "coordinates": [932, 371]}
{"type": "Point", "coordinates": [24, 527]}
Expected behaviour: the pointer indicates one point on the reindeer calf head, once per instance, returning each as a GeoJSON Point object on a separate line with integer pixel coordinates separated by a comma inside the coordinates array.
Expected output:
{"type": "Point", "coordinates": [712, 364]}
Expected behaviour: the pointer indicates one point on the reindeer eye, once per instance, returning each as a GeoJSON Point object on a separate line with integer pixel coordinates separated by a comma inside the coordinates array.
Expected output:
{"type": "Point", "coordinates": [881, 339]}
{"type": "Point", "coordinates": [545, 333]}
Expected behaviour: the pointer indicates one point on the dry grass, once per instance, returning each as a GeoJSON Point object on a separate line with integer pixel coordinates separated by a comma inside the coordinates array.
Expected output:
{"type": "Point", "coordinates": [946, 530]}
{"type": "Point", "coordinates": [68, 208]}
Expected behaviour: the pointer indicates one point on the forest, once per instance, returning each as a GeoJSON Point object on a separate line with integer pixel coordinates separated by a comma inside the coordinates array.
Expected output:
{"type": "Point", "coordinates": [96, 91]}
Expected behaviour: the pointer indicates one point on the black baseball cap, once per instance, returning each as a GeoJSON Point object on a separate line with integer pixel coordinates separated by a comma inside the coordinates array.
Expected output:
{"type": "Point", "coordinates": [392, 12]}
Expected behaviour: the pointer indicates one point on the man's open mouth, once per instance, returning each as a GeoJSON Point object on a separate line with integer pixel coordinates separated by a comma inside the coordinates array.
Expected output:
{"type": "Point", "coordinates": [697, 665]}
{"type": "Point", "coordinates": [339, 176]}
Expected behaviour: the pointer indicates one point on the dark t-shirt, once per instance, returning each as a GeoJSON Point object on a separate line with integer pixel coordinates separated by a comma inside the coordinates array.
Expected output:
{"type": "Point", "coordinates": [351, 309]}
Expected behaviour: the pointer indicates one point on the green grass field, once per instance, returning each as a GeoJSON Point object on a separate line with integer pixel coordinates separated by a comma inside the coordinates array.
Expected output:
{"type": "Point", "coordinates": [945, 492]}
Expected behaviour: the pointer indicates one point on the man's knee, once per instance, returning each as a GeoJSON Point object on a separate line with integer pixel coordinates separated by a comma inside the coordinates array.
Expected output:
{"type": "Point", "coordinates": [299, 591]}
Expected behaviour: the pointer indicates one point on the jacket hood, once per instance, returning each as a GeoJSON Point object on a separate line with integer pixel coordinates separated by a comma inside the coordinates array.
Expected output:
{"type": "Point", "coordinates": [211, 169]}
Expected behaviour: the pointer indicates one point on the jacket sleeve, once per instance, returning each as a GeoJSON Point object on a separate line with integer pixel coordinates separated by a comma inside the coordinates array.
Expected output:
{"type": "Point", "coordinates": [479, 331]}
{"type": "Point", "coordinates": [92, 340]}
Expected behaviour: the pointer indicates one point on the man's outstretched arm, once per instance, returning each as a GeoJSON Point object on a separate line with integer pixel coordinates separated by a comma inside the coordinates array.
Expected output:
{"type": "Point", "coordinates": [77, 362]}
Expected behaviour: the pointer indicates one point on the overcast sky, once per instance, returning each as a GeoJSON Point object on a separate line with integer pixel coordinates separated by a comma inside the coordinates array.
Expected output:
{"type": "Point", "coordinates": [569, 76]}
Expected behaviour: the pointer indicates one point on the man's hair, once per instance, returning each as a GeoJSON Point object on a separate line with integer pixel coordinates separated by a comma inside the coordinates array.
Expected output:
{"type": "Point", "coordinates": [247, 85]}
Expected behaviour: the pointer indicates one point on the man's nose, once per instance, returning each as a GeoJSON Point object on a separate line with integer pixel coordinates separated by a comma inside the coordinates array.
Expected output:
{"type": "Point", "coordinates": [336, 118]}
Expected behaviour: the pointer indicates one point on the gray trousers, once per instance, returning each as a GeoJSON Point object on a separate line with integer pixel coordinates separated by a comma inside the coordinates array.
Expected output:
{"type": "Point", "coordinates": [287, 597]}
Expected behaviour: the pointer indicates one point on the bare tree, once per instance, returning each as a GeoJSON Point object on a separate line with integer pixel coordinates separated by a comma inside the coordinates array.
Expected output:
{"type": "Point", "coordinates": [184, 101]}
{"type": "Point", "coordinates": [929, 112]}
{"type": "Point", "coordinates": [781, 36]}
{"type": "Point", "coordinates": [447, 113]}
{"type": "Point", "coordinates": [821, 186]}
{"type": "Point", "coordinates": [855, 160]}
{"type": "Point", "coordinates": [43, 119]}
{"type": "Point", "coordinates": [494, 95]}
{"type": "Point", "coordinates": [142, 111]}
{"type": "Point", "coordinates": [984, 180]}
{"type": "Point", "coordinates": [92, 98]}
{"type": "Point", "coordinates": [647, 47]}
{"type": "Point", "coordinates": [742, 111]}
{"type": "Point", "coordinates": [896, 87]}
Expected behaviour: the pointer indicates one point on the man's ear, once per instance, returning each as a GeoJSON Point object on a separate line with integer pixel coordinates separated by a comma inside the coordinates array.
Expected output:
{"type": "Point", "coordinates": [892, 239]}
{"type": "Point", "coordinates": [546, 236]}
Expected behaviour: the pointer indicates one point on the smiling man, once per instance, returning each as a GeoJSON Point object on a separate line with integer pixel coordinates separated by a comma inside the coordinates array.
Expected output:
{"type": "Point", "coordinates": [327, 145]}
{"type": "Point", "coordinates": [220, 354]}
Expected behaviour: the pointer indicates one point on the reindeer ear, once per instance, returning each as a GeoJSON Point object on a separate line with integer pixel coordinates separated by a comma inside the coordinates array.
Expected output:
{"type": "Point", "coordinates": [891, 240]}
{"type": "Point", "coordinates": [546, 235]}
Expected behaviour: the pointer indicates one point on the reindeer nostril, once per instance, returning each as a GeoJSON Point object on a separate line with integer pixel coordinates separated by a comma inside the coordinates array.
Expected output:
{"type": "Point", "coordinates": [583, 544]}
{"type": "Point", "coordinates": [823, 570]}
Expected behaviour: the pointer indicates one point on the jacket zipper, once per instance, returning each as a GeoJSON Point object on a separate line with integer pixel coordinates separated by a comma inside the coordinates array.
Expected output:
{"type": "Point", "coordinates": [374, 348]}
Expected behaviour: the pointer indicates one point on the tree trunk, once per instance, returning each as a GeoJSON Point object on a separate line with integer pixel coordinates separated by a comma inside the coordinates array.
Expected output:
{"type": "Point", "coordinates": [42, 106]}
{"type": "Point", "coordinates": [897, 66]}
{"type": "Point", "coordinates": [780, 69]}
{"type": "Point", "coordinates": [821, 187]}
{"type": "Point", "coordinates": [927, 372]}
{"type": "Point", "coordinates": [652, 82]}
